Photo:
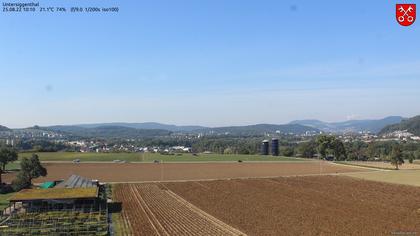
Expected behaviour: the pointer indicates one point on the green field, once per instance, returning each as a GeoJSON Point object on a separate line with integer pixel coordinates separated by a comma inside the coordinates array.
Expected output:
{"type": "Point", "coordinates": [13, 166]}
{"type": "Point", "coordinates": [361, 165]}
{"type": "Point", "coordinates": [407, 177]}
{"type": "Point", "coordinates": [150, 157]}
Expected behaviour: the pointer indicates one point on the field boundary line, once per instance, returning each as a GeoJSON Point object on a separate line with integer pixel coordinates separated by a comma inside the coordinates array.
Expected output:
{"type": "Point", "coordinates": [216, 222]}
{"type": "Point", "coordinates": [238, 178]}
{"type": "Point", "coordinates": [178, 162]}
{"type": "Point", "coordinates": [359, 166]}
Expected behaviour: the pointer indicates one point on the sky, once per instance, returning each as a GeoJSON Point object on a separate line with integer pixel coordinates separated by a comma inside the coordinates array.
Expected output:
{"type": "Point", "coordinates": [208, 62]}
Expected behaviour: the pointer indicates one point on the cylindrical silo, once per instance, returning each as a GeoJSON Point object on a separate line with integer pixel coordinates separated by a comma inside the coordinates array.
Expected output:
{"type": "Point", "coordinates": [275, 147]}
{"type": "Point", "coordinates": [264, 147]}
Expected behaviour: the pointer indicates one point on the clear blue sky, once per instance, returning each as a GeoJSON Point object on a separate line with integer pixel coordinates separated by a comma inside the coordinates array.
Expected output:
{"type": "Point", "coordinates": [208, 62]}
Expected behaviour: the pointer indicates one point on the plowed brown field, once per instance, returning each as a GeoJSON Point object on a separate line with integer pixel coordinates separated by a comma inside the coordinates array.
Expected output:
{"type": "Point", "coordinates": [321, 205]}
{"type": "Point", "coordinates": [151, 209]}
{"type": "Point", "coordinates": [137, 172]}
{"type": "Point", "coordinates": [316, 205]}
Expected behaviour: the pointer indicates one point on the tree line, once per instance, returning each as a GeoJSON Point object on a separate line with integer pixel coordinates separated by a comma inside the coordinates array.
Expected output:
{"type": "Point", "coordinates": [30, 168]}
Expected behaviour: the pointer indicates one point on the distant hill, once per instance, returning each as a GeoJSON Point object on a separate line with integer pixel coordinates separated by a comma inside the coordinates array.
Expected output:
{"type": "Point", "coordinates": [373, 126]}
{"type": "Point", "coordinates": [324, 126]}
{"type": "Point", "coordinates": [153, 129]}
{"type": "Point", "coordinates": [412, 125]}
{"type": "Point", "coordinates": [64, 128]}
{"type": "Point", "coordinates": [145, 125]}
{"type": "Point", "coordinates": [260, 129]}
{"type": "Point", "coordinates": [132, 130]}
{"type": "Point", "coordinates": [108, 132]}
{"type": "Point", "coordinates": [4, 128]}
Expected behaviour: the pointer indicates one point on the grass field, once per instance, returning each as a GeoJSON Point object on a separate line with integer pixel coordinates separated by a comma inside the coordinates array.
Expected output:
{"type": "Point", "coordinates": [406, 177]}
{"type": "Point", "coordinates": [381, 165]}
{"type": "Point", "coordinates": [119, 225]}
{"type": "Point", "coordinates": [13, 166]}
{"type": "Point", "coordinates": [150, 157]}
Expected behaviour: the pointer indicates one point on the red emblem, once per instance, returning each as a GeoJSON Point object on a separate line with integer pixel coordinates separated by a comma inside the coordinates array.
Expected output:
{"type": "Point", "coordinates": [406, 14]}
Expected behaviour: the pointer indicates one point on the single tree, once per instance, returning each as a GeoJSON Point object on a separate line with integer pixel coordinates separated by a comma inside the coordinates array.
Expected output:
{"type": "Point", "coordinates": [397, 157]}
{"type": "Point", "coordinates": [7, 155]}
{"type": "Point", "coordinates": [30, 168]}
{"type": "Point", "coordinates": [324, 144]}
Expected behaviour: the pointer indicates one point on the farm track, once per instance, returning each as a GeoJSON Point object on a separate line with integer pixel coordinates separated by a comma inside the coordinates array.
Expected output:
{"type": "Point", "coordinates": [168, 172]}
{"type": "Point", "coordinates": [162, 212]}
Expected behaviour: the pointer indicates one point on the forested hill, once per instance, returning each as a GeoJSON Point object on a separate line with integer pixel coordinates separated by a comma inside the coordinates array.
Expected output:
{"type": "Point", "coordinates": [146, 125]}
{"type": "Point", "coordinates": [4, 128]}
{"type": "Point", "coordinates": [412, 125]}
{"type": "Point", "coordinates": [108, 132]}
{"type": "Point", "coordinates": [260, 129]}
{"type": "Point", "coordinates": [353, 126]}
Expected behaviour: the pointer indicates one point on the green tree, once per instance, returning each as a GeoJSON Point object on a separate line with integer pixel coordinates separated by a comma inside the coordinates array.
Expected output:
{"type": "Point", "coordinates": [338, 149]}
{"type": "Point", "coordinates": [411, 158]}
{"type": "Point", "coordinates": [324, 143]}
{"type": "Point", "coordinates": [228, 151]}
{"type": "Point", "coordinates": [371, 151]}
{"type": "Point", "coordinates": [30, 168]}
{"type": "Point", "coordinates": [287, 151]}
{"type": "Point", "coordinates": [307, 149]}
{"type": "Point", "coordinates": [7, 155]}
{"type": "Point", "coordinates": [356, 150]}
{"type": "Point", "coordinates": [331, 145]}
{"type": "Point", "coordinates": [20, 182]}
{"type": "Point", "coordinates": [417, 154]}
{"type": "Point", "coordinates": [397, 156]}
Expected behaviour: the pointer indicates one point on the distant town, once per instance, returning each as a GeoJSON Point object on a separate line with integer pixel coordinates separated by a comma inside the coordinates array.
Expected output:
{"type": "Point", "coordinates": [112, 138]}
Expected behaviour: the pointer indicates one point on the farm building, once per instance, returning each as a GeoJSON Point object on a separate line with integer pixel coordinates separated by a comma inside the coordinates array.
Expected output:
{"type": "Point", "coordinates": [75, 191]}
{"type": "Point", "coordinates": [55, 198]}
{"type": "Point", "coordinates": [76, 181]}
{"type": "Point", "coordinates": [76, 206]}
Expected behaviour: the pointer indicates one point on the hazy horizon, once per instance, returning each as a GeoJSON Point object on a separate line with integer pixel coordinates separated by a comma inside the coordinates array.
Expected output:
{"type": "Point", "coordinates": [210, 126]}
{"type": "Point", "coordinates": [209, 63]}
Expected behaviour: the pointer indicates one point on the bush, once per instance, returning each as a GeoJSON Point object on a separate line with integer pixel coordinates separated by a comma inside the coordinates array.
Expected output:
{"type": "Point", "coordinates": [287, 151]}
{"type": "Point", "coordinates": [21, 182]}
{"type": "Point", "coordinates": [228, 151]}
{"type": "Point", "coordinates": [411, 158]}
{"type": "Point", "coordinates": [6, 188]}
{"type": "Point", "coordinates": [417, 155]}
